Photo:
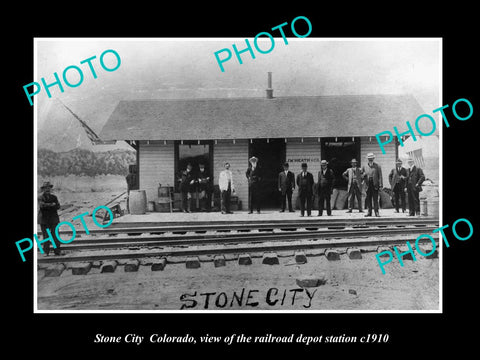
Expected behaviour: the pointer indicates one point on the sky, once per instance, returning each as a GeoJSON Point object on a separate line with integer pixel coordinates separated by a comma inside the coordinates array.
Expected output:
{"type": "Point", "coordinates": [187, 68]}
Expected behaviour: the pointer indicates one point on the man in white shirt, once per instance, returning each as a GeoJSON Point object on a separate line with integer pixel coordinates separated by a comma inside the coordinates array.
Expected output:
{"type": "Point", "coordinates": [225, 183]}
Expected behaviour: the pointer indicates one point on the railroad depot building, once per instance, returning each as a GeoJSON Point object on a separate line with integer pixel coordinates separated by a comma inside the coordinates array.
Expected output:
{"type": "Point", "coordinates": [168, 134]}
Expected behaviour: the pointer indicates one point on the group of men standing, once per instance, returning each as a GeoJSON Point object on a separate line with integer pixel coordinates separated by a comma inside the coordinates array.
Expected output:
{"type": "Point", "coordinates": [369, 175]}
{"type": "Point", "coordinates": [305, 183]}
{"type": "Point", "coordinates": [409, 181]}
{"type": "Point", "coordinates": [195, 186]}
{"type": "Point", "coordinates": [199, 186]}
{"type": "Point", "coordinates": [401, 181]}
{"type": "Point", "coordinates": [254, 178]}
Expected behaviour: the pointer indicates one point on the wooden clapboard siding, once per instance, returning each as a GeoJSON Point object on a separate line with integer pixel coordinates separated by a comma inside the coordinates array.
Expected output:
{"type": "Point", "coordinates": [237, 155]}
{"type": "Point", "coordinates": [308, 150]}
{"type": "Point", "coordinates": [386, 161]}
{"type": "Point", "coordinates": [156, 166]}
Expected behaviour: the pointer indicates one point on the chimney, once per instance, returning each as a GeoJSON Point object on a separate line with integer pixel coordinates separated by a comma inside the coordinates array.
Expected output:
{"type": "Point", "coordinates": [269, 89]}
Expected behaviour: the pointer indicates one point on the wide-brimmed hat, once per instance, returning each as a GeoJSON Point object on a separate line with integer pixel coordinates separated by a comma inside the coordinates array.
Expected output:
{"type": "Point", "coordinates": [399, 161]}
{"type": "Point", "coordinates": [370, 156]}
{"type": "Point", "coordinates": [45, 185]}
{"type": "Point", "coordinates": [353, 161]}
{"type": "Point", "coordinates": [323, 162]}
{"type": "Point", "coordinates": [410, 159]}
{"type": "Point", "coordinates": [253, 159]}
{"type": "Point", "coordinates": [304, 165]}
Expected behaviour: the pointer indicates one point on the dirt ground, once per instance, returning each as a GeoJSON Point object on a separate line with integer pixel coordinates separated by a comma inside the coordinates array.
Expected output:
{"type": "Point", "coordinates": [350, 285]}
{"type": "Point", "coordinates": [75, 203]}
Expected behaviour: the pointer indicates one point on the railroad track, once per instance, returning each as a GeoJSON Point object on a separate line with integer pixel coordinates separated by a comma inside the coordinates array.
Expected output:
{"type": "Point", "coordinates": [241, 249]}
{"type": "Point", "coordinates": [172, 240]}
{"type": "Point", "coordinates": [176, 227]}
{"type": "Point", "coordinates": [236, 238]}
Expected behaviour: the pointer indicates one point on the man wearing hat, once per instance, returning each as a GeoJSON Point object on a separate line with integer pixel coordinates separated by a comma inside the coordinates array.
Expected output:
{"type": "Point", "coordinates": [325, 187]}
{"type": "Point", "coordinates": [353, 176]}
{"type": "Point", "coordinates": [397, 179]}
{"type": "Point", "coordinates": [415, 179]}
{"type": "Point", "coordinates": [48, 216]}
{"type": "Point", "coordinates": [305, 184]}
{"type": "Point", "coordinates": [204, 188]}
{"type": "Point", "coordinates": [254, 177]}
{"type": "Point", "coordinates": [372, 174]}
{"type": "Point", "coordinates": [225, 183]}
{"type": "Point", "coordinates": [132, 182]}
{"type": "Point", "coordinates": [187, 188]}
{"type": "Point", "coordinates": [286, 185]}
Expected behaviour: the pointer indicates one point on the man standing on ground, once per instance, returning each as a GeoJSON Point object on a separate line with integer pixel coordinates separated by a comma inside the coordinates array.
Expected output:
{"type": "Point", "coordinates": [415, 179]}
{"type": "Point", "coordinates": [305, 184]}
{"type": "Point", "coordinates": [48, 216]}
{"type": "Point", "coordinates": [187, 187]}
{"type": "Point", "coordinates": [225, 183]}
{"type": "Point", "coordinates": [254, 176]}
{"type": "Point", "coordinates": [372, 173]}
{"type": "Point", "coordinates": [397, 179]}
{"type": "Point", "coordinates": [204, 188]}
{"type": "Point", "coordinates": [286, 185]}
{"type": "Point", "coordinates": [353, 176]}
{"type": "Point", "coordinates": [132, 182]}
{"type": "Point", "coordinates": [325, 187]}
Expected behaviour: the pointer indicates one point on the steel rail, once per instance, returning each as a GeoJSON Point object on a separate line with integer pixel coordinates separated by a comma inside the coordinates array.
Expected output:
{"type": "Point", "coordinates": [205, 239]}
{"type": "Point", "coordinates": [254, 225]}
{"type": "Point", "coordinates": [215, 250]}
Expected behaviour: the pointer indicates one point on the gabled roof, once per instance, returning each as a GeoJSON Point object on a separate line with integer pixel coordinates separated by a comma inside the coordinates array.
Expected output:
{"type": "Point", "coordinates": [246, 118]}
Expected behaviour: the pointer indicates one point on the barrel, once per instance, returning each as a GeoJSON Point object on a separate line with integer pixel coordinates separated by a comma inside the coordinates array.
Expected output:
{"type": "Point", "coordinates": [433, 207]}
{"type": "Point", "coordinates": [424, 207]}
{"type": "Point", "coordinates": [137, 202]}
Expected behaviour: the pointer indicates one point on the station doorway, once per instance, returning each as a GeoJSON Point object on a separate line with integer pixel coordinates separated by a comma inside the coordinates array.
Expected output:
{"type": "Point", "coordinates": [194, 153]}
{"type": "Point", "coordinates": [339, 152]}
{"type": "Point", "coordinates": [271, 157]}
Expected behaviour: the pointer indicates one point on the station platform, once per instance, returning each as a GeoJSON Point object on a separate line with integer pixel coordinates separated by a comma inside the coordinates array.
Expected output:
{"type": "Point", "coordinates": [151, 218]}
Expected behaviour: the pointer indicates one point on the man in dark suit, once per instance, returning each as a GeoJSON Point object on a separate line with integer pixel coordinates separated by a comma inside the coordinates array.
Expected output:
{"type": "Point", "coordinates": [132, 182]}
{"type": "Point", "coordinates": [187, 188]}
{"type": "Point", "coordinates": [372, 174]}
{"type": "Point", "coordinates": [305, 184]}
{"type": "Point", "coordinates": [325, 187]}
{"type": "Point", "coordinates": [204, 188]}
{"type": "Point", "coordinates": [286, 185]}
{"type": "Point", "coordinates": [353, 176]}
{"type": "Point", "coordinates": [48, 217]}
{"type": "Point", "coordinates": [397, 179]}
{"type": "Point", "coordinates": [415, 179]}
{"type": "Point", "coordinates": [254, 176]}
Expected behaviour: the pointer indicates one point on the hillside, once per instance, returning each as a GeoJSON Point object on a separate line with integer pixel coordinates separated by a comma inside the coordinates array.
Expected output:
{"type": "Point", "coordinates": [84, 162]}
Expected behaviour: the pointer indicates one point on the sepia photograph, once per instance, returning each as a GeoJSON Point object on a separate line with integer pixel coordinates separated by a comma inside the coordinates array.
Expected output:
{"type": "Point", "coordinates": [303, 179]}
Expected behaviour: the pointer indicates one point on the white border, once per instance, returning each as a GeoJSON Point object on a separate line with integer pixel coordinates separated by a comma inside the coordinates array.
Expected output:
{"type": "Point", "coordinates": [35, 255]}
